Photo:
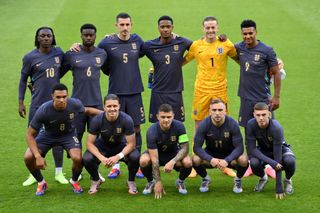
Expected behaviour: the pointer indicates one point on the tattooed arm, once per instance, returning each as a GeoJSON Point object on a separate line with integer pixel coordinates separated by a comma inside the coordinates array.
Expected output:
{"type": "Point", "coordinates": [182, 153]}
{"type": "Point", "coordinates": [158, 188]}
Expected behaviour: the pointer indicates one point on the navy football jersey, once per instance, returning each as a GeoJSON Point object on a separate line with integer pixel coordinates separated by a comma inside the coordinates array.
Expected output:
{"type": "Point", "coordinates": [167, 62]}
{"type": "Point", "coordinates": [111, 133]}
{"type": "Point", "coordinates": [255, 64]}
{"type": "Point", "coordinates": [85, 68]}
{"type": "Point", "coordinates": [123, 64]}
{"type": "Point", "coordinates": [43, 69]}
{"type": "Point", "coordinates": [166, 141]}
{"type": "Point", "coordinates": [266, 142]}
{"type": "Point", "coordinates": [224, 141]}
{"type": "Point", "coordinates": [57, 123]}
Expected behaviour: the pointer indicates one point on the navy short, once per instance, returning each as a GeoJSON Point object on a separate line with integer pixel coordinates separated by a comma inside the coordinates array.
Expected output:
{"type": "Point", "coordinates": [133, 106]}
{"type": "Point", "coordinates": [174, 99]}
{"type": "Point", "coordinates": [45, 142]}
{"type": "Point", "coordinates": [246, 111]}
{"type": "Point", "coordinates": [164, 158]}
{"type": "Point", "coordinates": [82, 121]}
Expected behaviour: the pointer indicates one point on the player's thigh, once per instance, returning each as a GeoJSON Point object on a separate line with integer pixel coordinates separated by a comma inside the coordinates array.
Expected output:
{"type": "Point", "coordinates": [44, 144]}
{"type": "Point", "coordinates": [173, 99]}
{"type": "Point", "coordinates": [134, 108]}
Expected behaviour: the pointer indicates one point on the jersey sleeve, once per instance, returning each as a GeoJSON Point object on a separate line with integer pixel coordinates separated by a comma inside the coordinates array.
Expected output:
{"type": "Point", "coordinates": [191, 53]}
{"type": "Point", "coordinates": [232, 50]}
{"type": "Point", "coordinates": [237, 142]}
{"type": "Point", "coordinates": [272, 58]}
{"type": "Point", "coordinates": [66, 64]}
{"type": "Point", "coordinates": [37, 120]}
{"type": "Point", "coordinates": [25, 73]}
{"type": "Point", "coordinates": [151, 137]}
{"type": "Point", "coordinates": [129, 126]}
{"type": "Point", "coordinates": [95, 124]}
{"type": "Point", "coordinates": [183, 137]}
{"type": "Point", "coordinates": [199, 140]}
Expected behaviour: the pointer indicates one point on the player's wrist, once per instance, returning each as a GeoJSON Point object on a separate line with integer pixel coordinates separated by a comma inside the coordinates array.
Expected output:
{"type": "Point", "coordinates": [120, 155]}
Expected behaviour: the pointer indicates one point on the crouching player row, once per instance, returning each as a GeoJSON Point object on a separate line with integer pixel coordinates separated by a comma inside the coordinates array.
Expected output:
{"type": "Point", "coordinates": [111, 138]}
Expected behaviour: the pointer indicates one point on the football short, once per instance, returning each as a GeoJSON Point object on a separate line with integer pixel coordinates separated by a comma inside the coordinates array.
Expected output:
{"type": "Point", "coordinates": [164, 158]}
{"type": "Point", "coordinates": [133, 106]}
{"type": "Point", "coordinates": [174, 99]}
{"type": "Point", "coordinates": [201, 104]}
{"type": "Point", "coordinates": [45, 142]}
{"type": "Point", "coordinates": [246, 111]}
{"type": "Point", "coordinates": [82, 121]}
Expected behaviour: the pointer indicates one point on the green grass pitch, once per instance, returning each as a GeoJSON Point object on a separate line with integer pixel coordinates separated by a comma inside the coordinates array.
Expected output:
{"type": "Point", "coordinates": [291, 27]}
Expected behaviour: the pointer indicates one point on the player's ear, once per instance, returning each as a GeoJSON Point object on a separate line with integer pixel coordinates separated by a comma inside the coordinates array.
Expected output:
{"type": "Point", "coordinates": [270, 115]}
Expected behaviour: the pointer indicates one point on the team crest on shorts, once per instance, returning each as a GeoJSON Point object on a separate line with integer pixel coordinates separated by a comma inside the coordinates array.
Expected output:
{"type": "Point", "coordinates": [134, 46]}
{"type": "Point", "coordinates": [57, 60]}
{"type": "Point", "coordinates": [219, 50]}
{"type": "Point", "coordinates": [98, 60]}
{"type": "Point", "coordinates": [270, 138]}
{"type": "Point", "coordinates": [173, 138]}
{"type": "Point", "coordinates": [226, 134]}
{"type": "Point", "coordinates": [71, 116]}
{"type": "Point", "coordinates": [119, 130]}
{"type": "Point", "coordinates": [176, 47]}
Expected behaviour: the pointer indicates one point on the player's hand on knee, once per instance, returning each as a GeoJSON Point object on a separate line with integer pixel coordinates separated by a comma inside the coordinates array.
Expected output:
{"type": "Point", "coordinates": [222, 164]}
{"type": "Point", "coordinates": [169, 166]}
{"type": "Point", "coordinates": [280, 196]}
{"type": "Point", "coordinates": [278, 167]}
{"type": "Point", "coordinates": [158, 190]}
{"type": "Point", "coordinates": [214, 162]}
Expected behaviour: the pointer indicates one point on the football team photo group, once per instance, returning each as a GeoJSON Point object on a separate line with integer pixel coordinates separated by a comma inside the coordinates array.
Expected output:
{"type": "Point", "coordinates": [113, 124]}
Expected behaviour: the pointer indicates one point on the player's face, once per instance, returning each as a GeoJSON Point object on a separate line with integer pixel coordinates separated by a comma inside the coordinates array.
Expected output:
{"type": "Point", "coordinates": [60, 99]}
{"type": "Point", "coordinates": [45, 38]}
{"type": "Point", "coordinates": [124, 27]}
{"type": "Point", "coordinates": [165, 28]}
{"type": "Point", "coordinates": [218, 112]}
{"type": "Point", "coordinates": [210, 29]}
{"type": "Point", "coordinates": [88, 37]}
{"type": "Point", "coordinates": [112, 107]}
{"type": "Point", "coordinates": [249, 35]}
{"type": "Point", "coordinates": [165, 119]}
{"type": "Point", "coordinates": [262, 117]}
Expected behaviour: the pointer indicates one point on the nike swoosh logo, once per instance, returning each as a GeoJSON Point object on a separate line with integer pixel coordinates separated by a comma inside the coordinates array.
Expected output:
{"type": "Point", "coordinates": [209, 135]}
{"type": "Point", "coordinates": [241, 53]}
{"type": "Point", "coordinates": [113, 48]}
{"type": "Point", "coordinates": [200, 52]}
{"type": "Point", "coordinates": [105, 130]}
{"type": "Point", "coordinates": [39, 64]}
{"type": "Point", "coordinates": [157, 50]}
{"type": "Point", "coordinates": [52, 121]}
{"type": "Point", "coordinates": [78, 61]}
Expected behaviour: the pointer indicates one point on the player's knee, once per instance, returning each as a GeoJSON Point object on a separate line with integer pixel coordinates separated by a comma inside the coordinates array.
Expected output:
{"type": "Point", "coordinates": [187, 162]}
{"type": "Point", "coordinates": [134, 156]}
{"type": "Point", "coordinates": [87, 157]}
{"type": "Point", "coordinates": [28, 157]}
{"type": "Point", "coordinates": [243, 161]}
{"type": "Point", "coordinates": [196, 160]}
{"type": "Point", "coordinates": [144, 160]}
{"type": "Point", "coordinates": [289, 162]}
{"type": "Point", "coordinates": [254, 163]}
